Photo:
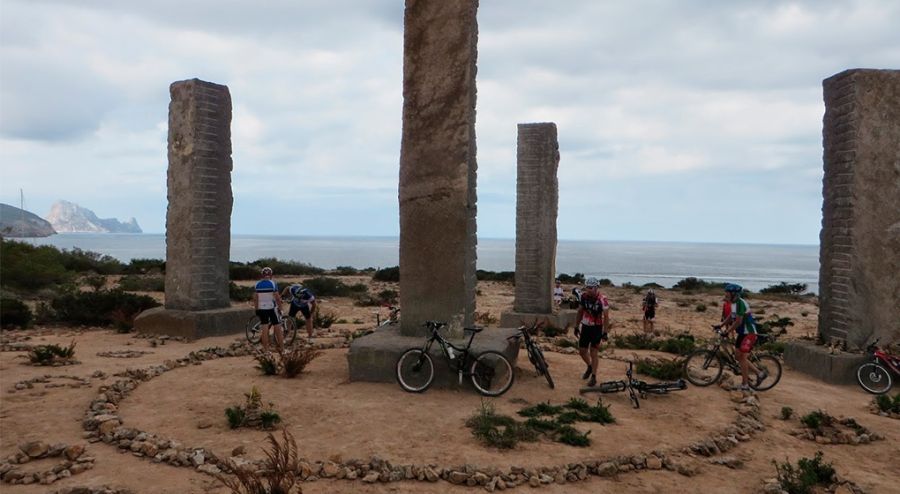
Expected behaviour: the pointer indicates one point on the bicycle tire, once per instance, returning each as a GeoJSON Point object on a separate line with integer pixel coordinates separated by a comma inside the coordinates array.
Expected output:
{"type": "Point", "coordinates": [545, 367]}
{"type": "Point", "coordinates": [290, 330]}
{"type": "Point", "coordinates": [635, 402]}
{"type": "Point", "coordinates": [874, 378]}
{"type": "Point", "coordinates": [772, 365]}
{"type": "Point", "coordinates": [413, 366]}
{"type": "Point", "coordinates": [491, 373]}
{"type": "Point", "coordinates": [252, 330]}
{"type": "Point", "coordinates": [611, 387]}
{"type": "Point", "coordinates": [703, 367]}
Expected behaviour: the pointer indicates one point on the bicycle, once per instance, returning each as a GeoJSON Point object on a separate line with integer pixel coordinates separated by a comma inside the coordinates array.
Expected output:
{"type": "Point", "coordinates": [875, 376]}
{"type": "Point", "coordinates": [704, 367]}
{"type": "Point", "coordinates": [288, 324]}
{"type": "Point", "coordinates": [392, 318]}
{"type": "Point", "coordinates": [535, 354]}
{"type": "Point", "coordinates": [490, 371]}
{"type": "Point", "coordinates": [636, 387]}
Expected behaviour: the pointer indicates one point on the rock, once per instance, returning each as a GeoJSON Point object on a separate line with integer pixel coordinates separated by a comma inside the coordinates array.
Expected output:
{"type": "Point", "coordinates": [431, 475]}
{"type": "Point", "coordinates": [480, 478]}
{"type": "Point", "coordinates": [73, 452]}
{"type": "Point", "coordinates": [209, 469]}
{"type": "Point", "coordinates": [843, 489]}
{"type": "Point", "coordinates": [238, 451]}
{"type": "Point", "coordinates": [35, 449]}
{"type": "Point", "coordinates": [728, 461]}
{"type": "Point", "coordinates": [330, 469]}
{"type": "Point", "coordinates": [197, 458]}
{"type": "Point", "coordinates": [654, 463]}
{"type": "Point", "coordinates": [534, 481]}
{"type": "Point", "coordinates": [607, 469]}
{"type": "Point", "coordinates": [204, 424]}
{"type": "Point", "coordinates": [457, 477]}
{"type": "Point", "coordinates": [108, 426]}
{"type": "Point", "coordinates": [371, 477]}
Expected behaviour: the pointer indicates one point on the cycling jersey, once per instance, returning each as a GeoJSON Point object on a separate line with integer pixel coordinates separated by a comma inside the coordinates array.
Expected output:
{"type": "Point", "coordinates": [301, 296]}
{"type": "Point", "coordinates": [593, 307]}
{"type": "Point", "coordinates": [740, 308]}
{"type": "Point", "coordinates": [265, 294]}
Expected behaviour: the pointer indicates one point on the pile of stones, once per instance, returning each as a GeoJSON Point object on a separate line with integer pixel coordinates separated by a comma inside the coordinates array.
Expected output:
{"type": "Point", "coordinates": [123, 353]}
{"type": "Point", "coordinates": [92, 490]}
{"type": "Point", "coordinates": [838, 486]}
{"type": "Point", "coordinates": [45, 380]}
{"type": "Point", "coordinates": [838, 431]}
{"type": "Point", "coordinates": [74, 460]}
{"type": "Point", "coordinates": [876, 410]}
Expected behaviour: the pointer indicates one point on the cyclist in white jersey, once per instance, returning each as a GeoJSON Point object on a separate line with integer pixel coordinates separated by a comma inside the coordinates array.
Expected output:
{"type": "Point", "coordinates": [265, 300]}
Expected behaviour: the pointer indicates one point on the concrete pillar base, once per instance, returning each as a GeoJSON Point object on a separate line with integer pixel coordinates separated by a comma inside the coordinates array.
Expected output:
{"type": "Point", "coordinates": [193, 324]}
{"type": "Point", "coordinates": [816, 361]}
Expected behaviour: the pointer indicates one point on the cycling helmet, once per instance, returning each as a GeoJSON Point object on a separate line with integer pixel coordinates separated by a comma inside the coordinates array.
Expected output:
{"type": "Point", "coordinates": [267, 271]}
{"type": "Point", "coordinates": [733, 288]}
{"type": "Point", "coordinates": [296, 289]}
{"type": "Point", "coordinates": [592, 282]}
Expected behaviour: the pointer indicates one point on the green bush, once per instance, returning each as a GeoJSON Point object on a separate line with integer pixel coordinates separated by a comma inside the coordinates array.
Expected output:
{"type": "Point", "coordinates": [567, 434]}
{"type": "Point", "coordinates": [145, 266]}
{"type": "Point", "coordinates": [14, 313]}
{"type": "Point", "coordinates": [887, 404]}
{"type": "Point", "coordinates": [240, 293]}
{"type": "Point", "coordinates": [504, 276]}
{"type": "Point", "coordinates": [543, 408]}
{"type": "Point", "coordinates": [575, 279]}
{"type": "Point", "coordinates": [324, 286]}
{"type": "Point", "coordinates": [47, 354]}
{"type": "Point", "coordinates": [605, 282]}
{"type": "Point", "coordinates": [700, 308]}
{"type": "Point", "coordinates": [785, 288]}
{"type": "Point", "coordinates": [786, 413]}
{"type": "Point", "coordinates": [139, 283]}
{"type": "Point", "coordinates": [664, 369]}
{"type": "Point", "coordinates": [387, 274]}
{"type": "Point", "coordinates": [681, 344]}
{"type": "Point", "coordinates": [267, 364]}
{"type": "Point", "coordinates": [268, 419]}
{"type": "Point", "coordinates": [345, 271]}
{"type": "Point", "coordinates": [388, 296]}
{"type": "Point", "coordinates": [817, 419]}
{"type": "Point", "coordinates": [100, 308]}
{"type": "Point", "coordinates": [27, 267]}
{"type": "Point", "coordinates": [808, 474]}
{"type": "Point", "coordinates": [82, 261]}
{"type": "Point", "coordinates": [692, 283]}
{"type": "Point", "coordinates": [499, 431]}
{"type": "Point", "coordinates": [323, 319]}
{"type": "Point", "coordinates": [236, 416]}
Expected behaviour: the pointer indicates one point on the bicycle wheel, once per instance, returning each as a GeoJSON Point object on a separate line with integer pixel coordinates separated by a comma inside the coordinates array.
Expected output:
{"type": "Point", "coordinates": [491, 373]}
{"type": "Point", "coordinates": [252, 330]}
{"type": "Point", "coordinates": [415, 370]}
{"type": "Point", "coordinates": [772, 367]}
{"type": "Point", "coordinates": [290, 331]}
{"type": "Point", "coordinates": [874, 378]}
{"type": "Point", "coordinates": [611, 387]}
{"type": "Point", "coordinates": [703, 367]}
{"type": "Point", "coordinates": [545, 367]}
{"type": "Point", "coordinates": [635, 402]}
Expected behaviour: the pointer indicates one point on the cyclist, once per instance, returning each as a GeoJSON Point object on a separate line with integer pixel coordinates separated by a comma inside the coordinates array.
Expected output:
{"type": "Point", "coordinates": [558, 294]}
{"type": "Point", "coordinates": [303, 301]}
{"type": "Point", "coordinates": [649, 307]}
{"type": "Point", "coordinates": [593, 314]}
{"type": "Point", "coordinates": [266, 300]}
{"type": "Point", "coordinates": [740, 320]}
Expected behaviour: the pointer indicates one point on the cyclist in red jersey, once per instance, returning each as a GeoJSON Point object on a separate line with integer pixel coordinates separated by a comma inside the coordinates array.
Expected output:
{"type": "Point", "coordinates": [593, 316]}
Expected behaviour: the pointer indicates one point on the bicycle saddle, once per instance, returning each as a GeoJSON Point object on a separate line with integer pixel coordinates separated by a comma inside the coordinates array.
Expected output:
{"type": "Point", "coordinates": [474, 329]}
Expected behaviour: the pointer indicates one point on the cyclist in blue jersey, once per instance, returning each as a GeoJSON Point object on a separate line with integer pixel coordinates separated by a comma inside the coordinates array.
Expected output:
{"type": "Point", "coordinates": [303, 301]}
{"type": "Point", "coordinates": [266, 300]}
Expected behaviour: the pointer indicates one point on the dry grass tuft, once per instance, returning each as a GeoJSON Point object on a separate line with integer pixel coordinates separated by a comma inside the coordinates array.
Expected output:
{"type": "Point", "coordinates": [278, 474]}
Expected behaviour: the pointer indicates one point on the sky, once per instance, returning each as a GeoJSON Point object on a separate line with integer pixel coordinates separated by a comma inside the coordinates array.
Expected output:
{"type": "Point", "coordinates": [678, 120]}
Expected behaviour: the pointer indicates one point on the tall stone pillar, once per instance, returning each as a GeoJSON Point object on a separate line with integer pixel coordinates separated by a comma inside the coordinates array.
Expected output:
{"type": "Point", "coordinates": [859, 277]}
{"type": "Point", "coordinates": [198, 220]}
{"type": "Point", "coordinates": [437, 164]}
{"type": "Point", "coordinates": [537, 204]}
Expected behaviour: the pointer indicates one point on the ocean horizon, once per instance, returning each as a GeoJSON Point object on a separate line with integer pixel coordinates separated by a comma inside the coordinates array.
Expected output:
{"type": "Point", "coordinates": [754, 266]}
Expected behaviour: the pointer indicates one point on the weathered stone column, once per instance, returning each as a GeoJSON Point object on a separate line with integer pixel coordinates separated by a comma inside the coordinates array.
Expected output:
{"type": "Point", "coordinates": [859, 257]}
{"type": "Point", "coordinates": [437, 164]}
{"type": "Point", "coordinates": [537, 205]}
{"type": "Point", "coordinates": [198, 220]}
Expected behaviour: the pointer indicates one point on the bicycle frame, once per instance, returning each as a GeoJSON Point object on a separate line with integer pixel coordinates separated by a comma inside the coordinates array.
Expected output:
{"type": "Point", "coordinates": [884, 357]}
{"type": "Point", "coordinates": [446, 347]}
{"type": "Point", "coordinates": [636, 387]}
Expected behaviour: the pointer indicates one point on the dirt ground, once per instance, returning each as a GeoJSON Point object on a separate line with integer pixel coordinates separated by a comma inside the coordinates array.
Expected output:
{"type": "Point", "coordinates": [330, 416]}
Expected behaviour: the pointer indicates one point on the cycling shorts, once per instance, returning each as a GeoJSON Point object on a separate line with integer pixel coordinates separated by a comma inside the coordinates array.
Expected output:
{"type": "Point", "coordinates": [649, 314]}
{"type": "Point", "coordinates": [590, 336]}
{"type": "Point", "coordinates": [744, 342]}
{"type": "Point", "coordinates": [268, 316]}
{"type": "Point", "coordinates": [304, 309]}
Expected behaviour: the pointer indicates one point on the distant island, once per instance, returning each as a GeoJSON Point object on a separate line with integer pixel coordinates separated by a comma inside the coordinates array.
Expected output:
{"type": "Point", "coordinates": [68, 217]}
{"type": "Point", "coordinates": [15, 222]}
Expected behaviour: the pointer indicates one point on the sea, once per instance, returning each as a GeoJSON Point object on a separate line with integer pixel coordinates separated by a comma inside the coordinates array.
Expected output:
{"type": "Point", "coordinates": [754, 266]}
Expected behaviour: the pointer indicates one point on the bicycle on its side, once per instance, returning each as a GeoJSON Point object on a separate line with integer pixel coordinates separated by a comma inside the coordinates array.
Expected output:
{"type": "Point", "coordinates": [875, 376]}
{"type": "Point", "coordinates": [490, 371]}
{"type": "Point", "coordinates": [636, 387]}
{"type": "Point", "coordinates": [392, 318]}
{"type": "Point", "coordinates": [288, 324]}
{"type": "Point", "coordinates": [535, 354]}
{"type": "Point", "coordinates": [704, 367]}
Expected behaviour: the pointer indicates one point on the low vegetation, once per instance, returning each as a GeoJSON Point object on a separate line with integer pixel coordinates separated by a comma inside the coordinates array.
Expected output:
{"type": "Point", "coordinates": [887, 404]}
{"type": "Point", "coordinates": [289, 364]}
{"type": "Point", "coordinates": [50, 354]}
{"type": "Point", "coordinates": [785, 288]}
{"type": "Point", "coordinates": [786, 413]}
{"type": "Point", "coordinates": [808, 474]}
{"type": "Point", "coordinates": [100, 308]}
{"type": "Point", "coordinates": [278, 475]}
{"type": "Point", "coordinates": [387, 274]}
{"type": "Point", "coordinates": [680, 344]}
{"type": "Point", "coordinates": [251, 270]}
{"type": "Point", "coordinates": [696, 284]}
{"type": "Point", "coordinates": [660, 368]}
{"type": "Point", "coordinates": [143, 283]}
{"type": "Point", "coordinates": [15, 313]}
{"type": "Point", "coordinates": [252, 413]}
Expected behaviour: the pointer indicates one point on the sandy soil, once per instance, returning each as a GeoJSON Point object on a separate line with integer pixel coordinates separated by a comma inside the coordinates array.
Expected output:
{"type": "Point", "coordinates": [329, 415]}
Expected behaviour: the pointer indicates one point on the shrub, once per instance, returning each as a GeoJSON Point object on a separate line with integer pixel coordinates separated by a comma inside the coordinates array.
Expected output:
{"type": "Point", "coordinates": [240, 293]}
{"type": "Point", "coordinates": [700, 308]}
{"type": "Point", "coordinates": [387, 274]}
{"type": "Point", "coordinates": [236, 416]}
{"type": "Point", "coordinates": [543, 408]}
{"type": "Point", "coordinates": [136, 283]}
{"type": "Point", "coordinates": [145, 266]}
{"type": "Point", "coordinates": [295, 361]}
{"type": "Point", "coordinates": [504, 276]}
{"type": "Point", "coordinates": [278, 475]}
{"type": "Point", "coordinates": [692, 283]}
{"type": "Point", "coordinates": [241, 271]}
{"type": "Point", "coordinates": [575, 279]}
{"type": "Point", "coordinates": [605, 282]}
{"type": "Point", "coordinates": [101, 308]}
{"type": "Point", "coordinates": [292, 268]}
{"type": "Point", "coordinates": [887, 404]}
{"type": "Point", "coordinates": [773, 347]}
{"type": "Point", "coordinates": [323, 320]}
{"type": "Point", "coordinates": [653, 285]}
{"type": "Point", "coordinates": [14, 313]}
{"type": "Point", "coordinates": [324, 286]}
{"type": "Point", "coordinates": [785, 288]}
{"type": "Point", "coordinates": [47, 354]}
{"type": "Point", "coordinates": [786, 413]}
{"type": "Point", "coordinates": [681, 344]}
{"type": "Point", "coordinates": [499, 431]}
{"type": "Point", "coordinates": [267, 364]}
{"type": "Point", "coordinates": [27, 267]}
{"type": "Point", "coordinates": [388, 296]}
{"type": "Point", "coordinates": [567, 434]}
{"type": "Point", "coordinates": [816, 420]}
{"type": "Point", "coordinates": [782, 323]}
{"type": "Point", "coordinates": [665, 369]}
{"type": "Point", "coordinates": [542, 425]}
{"type": "Point", "coordinates": [565, 343]}
{"type": "Point", "coordinates": [807, 474]}
{"type": "Point", "coordinates": [634, 341]}
{"type": "Point", "coordinates": [95, 281]}
{"type": "Point", "coordinates": [82, 261]}
{"type": "Point", "coordinates": [268, 419]}
{"type": "Point", "coordinates": [345, 271]}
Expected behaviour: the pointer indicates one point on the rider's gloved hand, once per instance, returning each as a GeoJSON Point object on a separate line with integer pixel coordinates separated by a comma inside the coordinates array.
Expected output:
{"type": "Point", "coordinates": [577, 330]}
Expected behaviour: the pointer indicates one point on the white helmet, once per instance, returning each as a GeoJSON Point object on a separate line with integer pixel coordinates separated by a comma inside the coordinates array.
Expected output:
{"type": "Point", "coordinates": [592, 282]}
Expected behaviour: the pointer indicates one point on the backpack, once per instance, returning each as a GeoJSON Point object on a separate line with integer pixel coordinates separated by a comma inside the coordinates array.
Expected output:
{"type": "Point", "coordinates": [650, 300]}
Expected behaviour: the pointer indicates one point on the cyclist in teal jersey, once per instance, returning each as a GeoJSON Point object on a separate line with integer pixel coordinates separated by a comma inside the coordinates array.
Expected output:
{"type": "Point", "coordinates": [740, 320]}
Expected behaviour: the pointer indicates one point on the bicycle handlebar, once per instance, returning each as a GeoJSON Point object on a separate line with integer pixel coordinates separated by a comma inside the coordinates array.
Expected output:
{"type": "Point", "coordinates": [435, 325]}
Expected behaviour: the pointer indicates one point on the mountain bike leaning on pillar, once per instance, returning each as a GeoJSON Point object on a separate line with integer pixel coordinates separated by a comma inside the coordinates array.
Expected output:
{"type": "Point", "coordinates": [875, 376]}
{"type": "Point", "coordinates": [704, 367]}
{"type": "Point", "coordinates": [535, 355]}
{"type": "Point", "coordinates": [491, 372]}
